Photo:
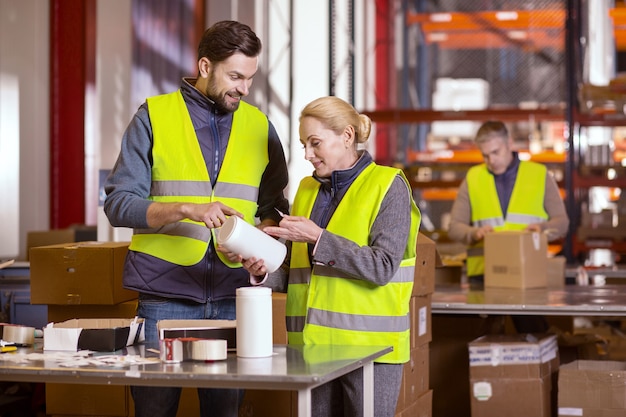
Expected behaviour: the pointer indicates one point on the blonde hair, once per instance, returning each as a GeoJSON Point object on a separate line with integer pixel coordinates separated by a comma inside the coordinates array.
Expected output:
{"type": "Point", "coordinates": [336, 114]}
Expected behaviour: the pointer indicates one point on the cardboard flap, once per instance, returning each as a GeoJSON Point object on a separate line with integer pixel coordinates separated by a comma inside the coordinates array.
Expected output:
{"type": "Point", "coordinates": [206, 329]}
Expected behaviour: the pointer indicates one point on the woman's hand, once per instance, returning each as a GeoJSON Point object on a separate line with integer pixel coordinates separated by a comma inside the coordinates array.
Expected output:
{"type": "Point", "coordinates": [295, 229]}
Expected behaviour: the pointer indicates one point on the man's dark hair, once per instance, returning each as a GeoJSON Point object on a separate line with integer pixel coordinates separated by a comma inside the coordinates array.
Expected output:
{"type": "Point", "coordinates": [227, 37]}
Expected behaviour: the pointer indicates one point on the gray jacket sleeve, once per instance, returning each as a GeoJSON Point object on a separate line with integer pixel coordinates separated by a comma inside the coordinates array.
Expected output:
{"type": "Point", "coordinates": [128, 184]}
{"type": "Point", "coordinates": [460, 228]}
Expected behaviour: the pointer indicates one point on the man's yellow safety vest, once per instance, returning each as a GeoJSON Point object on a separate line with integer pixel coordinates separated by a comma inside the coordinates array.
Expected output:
{"type": "Point", "coordinates": [179, 174]}
{"type": "Point", "coordinates": [525, 207]}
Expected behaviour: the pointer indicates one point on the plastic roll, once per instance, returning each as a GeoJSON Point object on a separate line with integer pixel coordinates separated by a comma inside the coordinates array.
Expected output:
{"type": "Point", "coordinates": [20, 335]}
{"type": "Point", "coordinates": [253, 307]}
{"type": "Point", "coordinates": [242, 238]}
{"type": "Point", "coordinates": [208, 350]}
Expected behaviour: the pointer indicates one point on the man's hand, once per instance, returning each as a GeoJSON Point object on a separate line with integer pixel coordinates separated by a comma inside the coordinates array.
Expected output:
{"type": "Point", "coordinates": [533, 228]}
{"type": "Point", "coordinates": [255, 267]}
{"type": "Point", "coordinates": [479, 233]}
{"type": "Point", "coordinates": [211, 214]}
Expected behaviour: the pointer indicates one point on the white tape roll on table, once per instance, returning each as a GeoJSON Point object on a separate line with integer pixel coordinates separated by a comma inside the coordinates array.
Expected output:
{"type": "Point", "coordinates": [208, 350]}
{"type": "Point", "coordinates": [21, 335]}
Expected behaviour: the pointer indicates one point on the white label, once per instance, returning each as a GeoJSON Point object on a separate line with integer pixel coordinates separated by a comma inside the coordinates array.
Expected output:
{"type": "Point", "coordinates": [422, 321]}
{"type": "Point", "coordinates": [570, 411]}
{"type": "Point", "coordinates": [536, 240]}
{"type": "Point", "coordinates": [482, 390]}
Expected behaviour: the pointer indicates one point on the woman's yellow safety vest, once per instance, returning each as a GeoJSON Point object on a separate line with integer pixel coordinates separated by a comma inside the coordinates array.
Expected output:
{"type": "Point", "coordinates": [179, 174]}
{"type": "Point", "coordinates": [326, 306]}
{"type": "Point", "coordinates": [525, 207]}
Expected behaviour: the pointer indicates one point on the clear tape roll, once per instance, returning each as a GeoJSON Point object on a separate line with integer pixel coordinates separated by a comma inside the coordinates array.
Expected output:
{"type": "Point", "coordinates": [208, 350]}
{"type": "Point", "coordinates": [20, 335]}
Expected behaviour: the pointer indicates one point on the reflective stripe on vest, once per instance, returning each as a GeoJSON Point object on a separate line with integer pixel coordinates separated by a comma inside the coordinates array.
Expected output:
{"type": "Point", "coordinates": [179, 174]}
{"type": "Point", "coordinates": [326, 306]}
{"type": "Point", "coordinates": [525, 207]}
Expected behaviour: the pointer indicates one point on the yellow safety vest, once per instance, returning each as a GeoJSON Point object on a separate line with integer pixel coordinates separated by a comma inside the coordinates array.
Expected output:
{"type": "Point", "coordinates": [525, 207]}
{"type": "Point", "coordinates": [326, 306]}
{"type": "Point", "coordinates": [179, 174]}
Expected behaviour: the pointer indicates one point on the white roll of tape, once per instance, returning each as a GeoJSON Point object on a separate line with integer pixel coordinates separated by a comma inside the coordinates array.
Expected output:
{"type": "Point", "coordinates": [208, 350]}
{"type": "Point", "coordinates": [20, 335]}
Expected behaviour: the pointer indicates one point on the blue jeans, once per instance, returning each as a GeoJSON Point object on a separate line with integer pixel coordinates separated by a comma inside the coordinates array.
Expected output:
{"type": "Point", "coordinates": [163, 401]}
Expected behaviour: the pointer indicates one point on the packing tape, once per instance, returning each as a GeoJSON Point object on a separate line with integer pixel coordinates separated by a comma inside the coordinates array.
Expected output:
{"type": "Point", "coordinates": [208, 350]}
{"type": "Point", "coordinates": [171, 350]}
{"type": "Point", "coordinates": [20, 335]}
{"type": "Point", "coordinates": [175, 350]}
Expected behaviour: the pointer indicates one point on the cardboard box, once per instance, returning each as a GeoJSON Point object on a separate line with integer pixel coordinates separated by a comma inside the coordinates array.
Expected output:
{"type": "Point", "coordinates": [421, 327]}
{"type": "Point", "coordinates": [58, 313]}
{"type": "Point", "coordinates": [516, 259]}
{"type": "Point", "coordinates": [556, 272]}
{"type": "Point", "coordinates": [78, 233]}
{"type": "Point", "coordinates": [105, 335]}
{"type": "Point", "coordinates": [592, 388]}
{"type": "Point", "coordinates": [279, 323]}
{"type": "Point", "coordinates": [415, 377]}
{"type": "Point", "coordinates": [204, 329]}
{"type": "Point", "coordinates": [513, 375]}
{"type": "Point", "coordinates": [422, 407]}
{"type": "Point", "coordinates": [87, 400]}
{"type": "Point", "coordinates": [264, 403]}
{"type": "Point", "coordinates": [448, 275]}
{"type": "Point", "coordinates": [79, 273]}
{"type": "Point", "coordinates": [426, 259]}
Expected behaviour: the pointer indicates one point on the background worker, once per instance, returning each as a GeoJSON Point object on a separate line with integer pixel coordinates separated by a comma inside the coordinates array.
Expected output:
{"type": "Point", "coordinates": [503, 193]}
{"type": "Point", "coordinates": [188, 160]}
{"type": "Point", "coordinates": [351, 262]}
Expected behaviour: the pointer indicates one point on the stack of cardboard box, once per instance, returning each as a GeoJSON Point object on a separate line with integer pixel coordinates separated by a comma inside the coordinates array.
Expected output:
{"type": "Point", "coordinates": [416, 397]}
{"type": "Point", "coordinates": [83, 280]}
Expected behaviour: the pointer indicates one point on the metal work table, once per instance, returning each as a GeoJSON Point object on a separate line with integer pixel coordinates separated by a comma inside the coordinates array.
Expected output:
{"type": "Point", "coordinates": [572, 300]}
{"type": "Point", "coordinates": [300, 368]}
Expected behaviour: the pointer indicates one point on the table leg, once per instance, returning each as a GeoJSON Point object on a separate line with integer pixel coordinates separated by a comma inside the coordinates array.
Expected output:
{"type": "Point", "coordinates": [304, 402]}
{"type": "Point", "coordinates": [368, 389]}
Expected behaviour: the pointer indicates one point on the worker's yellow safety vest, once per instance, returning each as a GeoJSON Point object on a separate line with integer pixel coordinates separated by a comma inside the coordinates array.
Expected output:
{"type": "Point", "coordinates": [180, 174]}
{"type": "Point", "coordinates": [327, 306]}
{"type": "Point", "coordinates": [525, 207]}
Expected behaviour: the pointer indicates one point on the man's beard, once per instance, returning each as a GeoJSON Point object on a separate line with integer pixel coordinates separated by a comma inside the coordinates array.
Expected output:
{"type": "Point", "coordinates": [220, 101]}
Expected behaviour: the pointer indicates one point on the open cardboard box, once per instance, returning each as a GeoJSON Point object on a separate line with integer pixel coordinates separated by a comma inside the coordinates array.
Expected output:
{"type": "Point", "coordinates": [204, 329]}
{"type": "Point", "coordinates": [104, 335]}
